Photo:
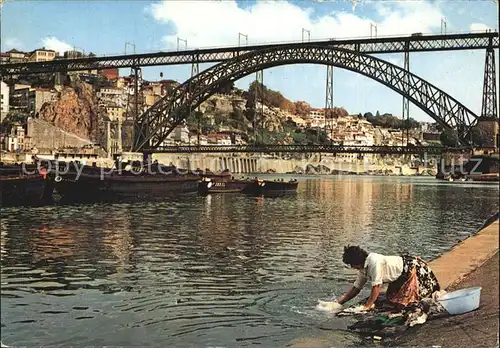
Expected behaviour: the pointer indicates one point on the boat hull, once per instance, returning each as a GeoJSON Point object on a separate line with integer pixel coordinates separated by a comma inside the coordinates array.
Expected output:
{"type": "Point", "coordinates": [491, 177]}
{"type": "Point", "coordinates": [89, 187]}
{"type": "Point", "coordinates": [24, 190]}
{"type": "Point", "coordinates": [271, 188]}
{"type": "Point", "coordinates": [221, 186]}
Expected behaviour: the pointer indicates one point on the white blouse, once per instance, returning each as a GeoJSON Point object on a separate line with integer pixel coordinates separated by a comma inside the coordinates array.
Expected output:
{"type": "Point", "coordinates": [379, 269]}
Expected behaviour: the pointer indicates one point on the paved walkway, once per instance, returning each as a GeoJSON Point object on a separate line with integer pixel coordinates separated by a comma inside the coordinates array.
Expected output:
{"type": "Point", "coordinates": [465, 257]}
{"type": "Point", "coordinates": [474, 329]}
{"type": "Point", "coordinates": [473, 262]}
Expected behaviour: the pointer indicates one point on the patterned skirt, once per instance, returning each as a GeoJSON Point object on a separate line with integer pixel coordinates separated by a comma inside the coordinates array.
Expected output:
{"type": "Point", "coordinates": [417, 281]}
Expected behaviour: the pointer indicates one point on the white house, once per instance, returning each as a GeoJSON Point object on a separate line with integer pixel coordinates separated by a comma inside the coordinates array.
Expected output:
{"type": "Point", "coordinates": [4, 100]}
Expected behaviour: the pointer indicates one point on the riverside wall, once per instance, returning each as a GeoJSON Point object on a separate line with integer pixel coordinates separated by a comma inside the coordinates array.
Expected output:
{"type": "Point", "coordinates": [45, 135]}
{"type": "Point", "coordinates": [466, 256]}
{"type": "Point", "coordinates": [252, 163]}
{"type": "Point", "coordinates": [242, 163]}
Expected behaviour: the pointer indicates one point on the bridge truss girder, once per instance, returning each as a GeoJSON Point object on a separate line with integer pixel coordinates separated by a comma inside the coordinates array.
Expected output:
{"type": "Point", "coordinates": [333, 149]}
{"type": "Point", "coordinates": [422, 43]}
{"type": "Point", "coordinates": [153, 126]}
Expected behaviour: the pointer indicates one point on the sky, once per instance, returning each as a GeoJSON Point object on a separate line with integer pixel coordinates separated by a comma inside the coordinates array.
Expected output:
{"type": "Point", "coordinates": [115, 27]}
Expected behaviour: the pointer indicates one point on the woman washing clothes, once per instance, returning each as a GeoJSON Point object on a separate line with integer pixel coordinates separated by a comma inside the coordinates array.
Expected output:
{"type": "Point", "coordinates": [410, 279]}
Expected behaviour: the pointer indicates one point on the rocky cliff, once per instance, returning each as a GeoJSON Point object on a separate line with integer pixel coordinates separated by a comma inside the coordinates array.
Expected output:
{"type": "Point", "coordinates": [223, 109]}
{"type": "Point", "coordinates": [223, 104]}
{"type": "Point", "coordinates": [274, 118]}
{"type": "Point", "coordinates": [74, 110]}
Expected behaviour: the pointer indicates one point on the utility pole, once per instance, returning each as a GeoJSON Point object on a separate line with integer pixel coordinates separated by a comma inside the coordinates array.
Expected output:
{"type": "Point", "coordinates": [304, 32]}
{"type": "Point", "coordinates": [83, 50]}
{"type": "Point", "coordinates": [131, 44]}
{"type": "Point", "coordinates": [373, 30]}
{"type": "Point", "coordinates": [179, 40]}
{"type": "Point", "coordinates": [443, 26]}
{"type": "Point", "coordinates": [245, 36]}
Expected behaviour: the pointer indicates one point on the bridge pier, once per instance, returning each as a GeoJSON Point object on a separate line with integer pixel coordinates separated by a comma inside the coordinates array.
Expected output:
{"type": "Point", "coordinates": [489, 103]}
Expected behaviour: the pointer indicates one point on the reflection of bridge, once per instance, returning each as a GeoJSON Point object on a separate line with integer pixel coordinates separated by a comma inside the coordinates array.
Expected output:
{"type": "Point", "coordinates": [387, 150]}
{"type": "Point", "coordinates": [155, 124]}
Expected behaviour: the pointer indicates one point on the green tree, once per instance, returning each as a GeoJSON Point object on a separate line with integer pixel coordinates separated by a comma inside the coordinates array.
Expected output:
{"type": "Point", "coordinates": [480, 138]}
{"type": "Point", "coordinates": [299, 138]}
{"type": "Point", "coordinates": [237, 116]}
{"type": "Point", "coordinates": [449, 137]}
{"type": "Point", "coordinates": [410, 124]}
{"type": "Point", "coordinates": [227, 88]}
{"type": "Point", "coordinates": [219, 118]}
{"type": "Point", "coordinates": [16, 116]}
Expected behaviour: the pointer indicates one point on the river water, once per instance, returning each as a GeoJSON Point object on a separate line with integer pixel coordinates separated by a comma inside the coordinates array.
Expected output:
{"type": "Point", "coordinates": [222, 270]}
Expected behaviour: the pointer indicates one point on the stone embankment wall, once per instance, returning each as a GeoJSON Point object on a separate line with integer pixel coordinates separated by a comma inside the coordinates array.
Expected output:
{"type": "Point", "coordinates": [242, 163]}
{"type": "Point", "coordinates": [219, 162]}
{"type": "Point", "coordinates": [47, 136]}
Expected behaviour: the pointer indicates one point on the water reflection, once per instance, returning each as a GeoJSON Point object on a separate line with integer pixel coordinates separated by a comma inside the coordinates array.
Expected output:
{"type": "Point", "coordinates": [225, 270]}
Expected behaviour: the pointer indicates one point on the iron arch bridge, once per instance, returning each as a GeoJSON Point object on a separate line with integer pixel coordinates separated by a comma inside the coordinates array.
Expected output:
{"type": "Point", "coordinates": [156, 123]}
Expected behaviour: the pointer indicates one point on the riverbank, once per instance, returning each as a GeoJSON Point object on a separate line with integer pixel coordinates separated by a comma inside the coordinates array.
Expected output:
{"type": "Point", "coordinates": [247, 163]}
{"type": "Point", "coordinates": [452, 266]}
{"type": "Point", "coordinates": [474, 329]}
{"type": "Point", "coordinates": [473, 262]}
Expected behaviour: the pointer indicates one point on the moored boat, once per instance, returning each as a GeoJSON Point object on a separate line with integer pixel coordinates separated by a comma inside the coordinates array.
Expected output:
{"type": "Point", "coordinates": [22, 187]}
{"type": "Point", "coordinates": [271, 187]}
{"type": "Point", "coordinates": [98, 184]}
{"type": "Point", "coordinates": [490, 177]}
{"type": "Point", "coordinates": [209, 185]}
{"type": "Point", "coordinates": [225, 175]}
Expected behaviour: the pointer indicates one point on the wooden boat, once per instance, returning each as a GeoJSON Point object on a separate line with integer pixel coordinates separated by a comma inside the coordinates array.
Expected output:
{"type": "Point", "coordinates": [220, 182]}
{"type": "Point", "coordinates": [98, 184]}
{"type": "Point", "coordinates": [209, 185]}
{"type": "Point", "coordinates": [271, 187]}
{"type": "Point", "coordinates": [24, 186]}
{"type": "Point", "coordinates": [490, 177]}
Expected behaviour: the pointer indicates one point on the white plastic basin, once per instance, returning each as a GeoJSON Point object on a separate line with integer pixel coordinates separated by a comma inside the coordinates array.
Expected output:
{"type": "Point", "coordinates": [461, 301]}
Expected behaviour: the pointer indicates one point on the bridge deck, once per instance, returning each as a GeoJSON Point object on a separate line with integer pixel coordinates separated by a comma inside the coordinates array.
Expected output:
{"type": "Point", "coordinates": [419, 43]}
{"type": "Point", "coordinates": [309, 149]}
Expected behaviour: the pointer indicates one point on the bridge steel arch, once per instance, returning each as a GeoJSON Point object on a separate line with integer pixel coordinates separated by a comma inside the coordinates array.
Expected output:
{"type": "Point", "coordinates": [156, 123]}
